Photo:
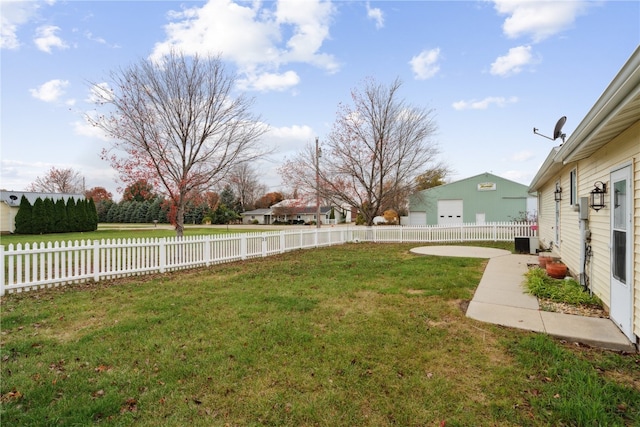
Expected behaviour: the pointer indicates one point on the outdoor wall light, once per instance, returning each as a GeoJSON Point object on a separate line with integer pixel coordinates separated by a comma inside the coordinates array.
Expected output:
{"type": "Point", "coordinates": [596, 197]}
{"type": "Point", "coordinates": [557, 195]}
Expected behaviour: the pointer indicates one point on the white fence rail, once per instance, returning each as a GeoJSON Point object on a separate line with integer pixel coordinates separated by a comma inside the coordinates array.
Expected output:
{"type": "Point", "coordinates": [33, 266]}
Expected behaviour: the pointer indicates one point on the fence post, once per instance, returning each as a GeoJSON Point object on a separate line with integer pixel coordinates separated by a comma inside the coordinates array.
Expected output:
{"type": "Point", "coordinates": [96, 260]}
{"type": "Point", "coordinates": [243, 246]}
{"type": "Point", "coordinates": [2, 270]}
{"type": "Point", "coordinates": [315, 238]}
{"type": "Point", "coordinates": [207, 250]}
{"type": "Point", "coordinates": [162, 251]}
{"type": "Point", "coordinates": [283, 241]}
{"type": "Point", "coordinates": [264, 245]}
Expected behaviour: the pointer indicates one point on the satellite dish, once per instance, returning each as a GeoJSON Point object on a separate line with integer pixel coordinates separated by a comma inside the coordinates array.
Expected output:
{"type": "Point", "coordinates": [557, 131]}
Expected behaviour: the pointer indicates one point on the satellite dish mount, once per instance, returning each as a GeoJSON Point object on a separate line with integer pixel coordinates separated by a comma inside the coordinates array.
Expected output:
{"type": "Point", "coordinates": [557, 131]}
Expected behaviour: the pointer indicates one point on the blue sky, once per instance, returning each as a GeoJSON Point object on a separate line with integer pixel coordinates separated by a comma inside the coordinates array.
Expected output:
{"type": "Point", "coordinates": [490, 70]}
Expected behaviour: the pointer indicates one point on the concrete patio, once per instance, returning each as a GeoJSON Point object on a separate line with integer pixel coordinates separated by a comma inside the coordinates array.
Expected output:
{"type": "Point", "coordinates": [500, 299]}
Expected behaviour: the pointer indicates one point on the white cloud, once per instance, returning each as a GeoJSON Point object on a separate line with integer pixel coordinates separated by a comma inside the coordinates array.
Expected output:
{"type": "Point", "coordinates": [522, 156]}
{"type": "Point", "coordinates": [50, 91]}
{"type": "Point", "coordinates": [290, 138]}
{"type": "Point", "coordinates": [254, 37]}
{"type": "Point", "coordinates": [14, 14]}
{"type": "Point", "coordinates": [86, 129]}
{"type": "Point", "coordinates": [513, 62]}
{"type": "Point", "coordinates": [46, 38]}
{"type": "Point", "coordinates": [100, 40]}
{"type": "Point", "coordinates": [538, 19]}
{"type": "Point", "coordinates": [375, 14]}
{"type": "Point", "coordinates": [485, 103]}
{"type": "Point", "coordinates": [425, 64]}
{"type": "Point", "coordinates": [521, 176]}
{"type": "Point", "coordinates": [270, 81]}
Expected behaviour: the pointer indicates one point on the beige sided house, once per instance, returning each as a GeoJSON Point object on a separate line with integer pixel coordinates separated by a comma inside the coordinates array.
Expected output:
{"type": "Point", "coordinates": [589, 199]}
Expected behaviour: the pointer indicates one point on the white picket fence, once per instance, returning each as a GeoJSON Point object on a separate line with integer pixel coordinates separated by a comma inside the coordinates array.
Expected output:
{"type": "Point", "coordinates": [33, 266]}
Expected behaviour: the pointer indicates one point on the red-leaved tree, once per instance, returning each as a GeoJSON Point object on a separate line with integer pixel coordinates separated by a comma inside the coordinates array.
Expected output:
{"type": "Point", "coordinates": [139, 191]}
{"type": "Point", "coordinates": [178, 125]}
{"type": "Point", "coordinates": [99, 194]}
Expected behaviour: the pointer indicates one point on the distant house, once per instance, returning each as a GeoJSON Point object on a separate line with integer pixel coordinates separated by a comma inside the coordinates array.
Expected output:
{"type": "Point", "coordinates": [296, 211]}
{"type": "Point", "coordinates": [257, 216]}
{"type": "Point", "coordinates": [10, 204]}
{"type": "Point", "coordinates": [589, 199]}
{"type": "Point", "coordinates": [478, 199]}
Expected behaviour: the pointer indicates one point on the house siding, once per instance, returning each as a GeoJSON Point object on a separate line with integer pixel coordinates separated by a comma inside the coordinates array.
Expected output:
{"type": "Point", "coordinates": [622, 151]}
{"type": "Point", "coordinates": [6, 218]}
{"type": "Point", "coordinates": [605, 141]}
{"type": "Point", "coordinates": [569, 224]}
{"type": "Point", "coordinates": [618, 153]}
{"type": "Point", "coordinates": [546, 217]}
{"type": "Point", "coordinates": [636, 225]}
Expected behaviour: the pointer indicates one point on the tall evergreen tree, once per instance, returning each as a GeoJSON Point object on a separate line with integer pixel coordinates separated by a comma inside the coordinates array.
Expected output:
{"type": "Point", "coordinates": [155, 211]}
{"type": "Point", "coordinates": [72, 214]}
{"type": "Point", "coordinates": [140, 214]}
{"type": "Point", "coordinates": [49, 215]}
{"type": "Point", "coordinates": [113, 213]}
{"type": "Point", "coordinates": [24, 220]}
{"type": "Point", "coordinates": [60, 223]}
{"type": "Point", "coordinates": [129, 211]}
{"type": "Point", "coordinates": [39, 226]}
{"type": "Point", "coordinates": [83, 218]}
{"type": "Point", "coordinates": [93, 215]}
{"type": "Point", "coordinates": [102, 208]}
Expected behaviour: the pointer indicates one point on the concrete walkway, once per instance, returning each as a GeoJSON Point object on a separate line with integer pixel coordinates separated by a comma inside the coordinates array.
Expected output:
{"type": "Point", "coordinates": [500, 299]}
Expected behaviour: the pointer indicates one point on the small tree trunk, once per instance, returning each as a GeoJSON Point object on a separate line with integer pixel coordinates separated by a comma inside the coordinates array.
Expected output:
{"type": "Point", "coordinates": [180, 220]}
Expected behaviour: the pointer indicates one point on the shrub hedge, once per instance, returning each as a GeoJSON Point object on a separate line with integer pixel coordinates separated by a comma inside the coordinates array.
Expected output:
{"type": "Point", "coordinates": [49, 216]}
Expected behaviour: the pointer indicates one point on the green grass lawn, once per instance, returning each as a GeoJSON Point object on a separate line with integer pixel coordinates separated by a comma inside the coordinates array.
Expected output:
{"type": "Point", "coordinates": [351, 335]}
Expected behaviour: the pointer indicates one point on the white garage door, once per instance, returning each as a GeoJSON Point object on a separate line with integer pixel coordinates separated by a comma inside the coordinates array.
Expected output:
{"type": "Point", "coordinates": [449, 212]}
{"type": "Point", "coordinates": [417, 218]}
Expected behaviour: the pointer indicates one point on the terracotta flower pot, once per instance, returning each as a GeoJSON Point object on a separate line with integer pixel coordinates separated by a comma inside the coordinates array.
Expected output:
{"type": "Point", "coordinates": [557, 270]}
{"type": "Point", "coordinates": [544, 259]}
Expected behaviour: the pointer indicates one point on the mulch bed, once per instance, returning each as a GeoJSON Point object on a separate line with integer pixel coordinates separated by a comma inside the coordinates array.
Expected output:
{"type": "Point", "coordinates": [578, 310]}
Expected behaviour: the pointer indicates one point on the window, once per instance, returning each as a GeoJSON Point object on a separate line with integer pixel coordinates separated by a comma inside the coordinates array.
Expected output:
{"type": "Point", "coordinates": [573, 188]}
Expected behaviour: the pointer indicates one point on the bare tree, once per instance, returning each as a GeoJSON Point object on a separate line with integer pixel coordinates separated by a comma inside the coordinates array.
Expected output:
{"type": "Point", "coordinates": [372, 156]}
{"type": "Point", "coordinates": [243, 179]}
{"type": "Point", "coordinates": [59, 181]}
{"type": "Point", "coordinates": [177, 125]}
